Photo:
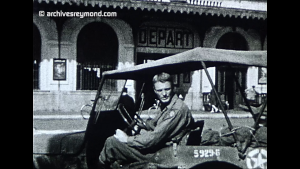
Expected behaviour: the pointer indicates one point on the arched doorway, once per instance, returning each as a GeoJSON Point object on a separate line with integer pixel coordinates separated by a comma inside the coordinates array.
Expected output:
{"type": "Point", "coordinates": [232, 41]}
{"type": "Point", "coordinates": [97, 51]}
{"type": "Point", "coordinates": [36, 40]}
{"type": "Point", "coordinates": [225, 83]}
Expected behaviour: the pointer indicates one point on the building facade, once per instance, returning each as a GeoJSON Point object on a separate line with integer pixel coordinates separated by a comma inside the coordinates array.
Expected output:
{"type": "Point", "coordinates": [74, 41]}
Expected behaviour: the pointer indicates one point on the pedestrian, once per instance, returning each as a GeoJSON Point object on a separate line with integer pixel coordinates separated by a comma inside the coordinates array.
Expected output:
{"type": "Point", "coordinates": [214, 103]}
{"type": "Point", "coordinates": [251, 95]}
{"type": "Point", "coordinates": [172, 119]}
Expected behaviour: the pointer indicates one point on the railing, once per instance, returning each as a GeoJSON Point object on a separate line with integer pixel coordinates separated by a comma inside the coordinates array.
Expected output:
{"type": "Point", "coordinates": [205, 3]}
{"type": "Point", "coordinates": [215, 3]}
{"type": "Point", "coordinates": [89, 75]}
{"type": "Point", "coordinates": [260, 98]}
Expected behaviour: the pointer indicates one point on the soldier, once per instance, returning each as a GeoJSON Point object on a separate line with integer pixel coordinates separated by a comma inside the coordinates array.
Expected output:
{"type": "Point", "coordinates": [173, 117]}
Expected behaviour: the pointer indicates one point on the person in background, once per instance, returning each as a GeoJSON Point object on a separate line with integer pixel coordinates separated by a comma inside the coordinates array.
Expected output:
{"type": "Point", "coordinates": [251, 95]}
{"type": "Point", "coordinates": [214, 103]}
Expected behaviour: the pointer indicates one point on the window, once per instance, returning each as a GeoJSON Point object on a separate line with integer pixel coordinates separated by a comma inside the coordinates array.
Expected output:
{"type": "Point", "coordinates": [89, 74]}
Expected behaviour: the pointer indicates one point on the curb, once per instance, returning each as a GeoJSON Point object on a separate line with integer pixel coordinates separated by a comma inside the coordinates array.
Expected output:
{"type": "Point", "coordinates": [49, 132]}
{"type": "Point", "coordinates": [196, 116]}
{"type": "Point", "coordinates": [55, 117]}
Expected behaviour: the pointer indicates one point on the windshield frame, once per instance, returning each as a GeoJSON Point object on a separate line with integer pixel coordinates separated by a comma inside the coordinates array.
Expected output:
{"type": "Point", "coordinates": [98, 96]}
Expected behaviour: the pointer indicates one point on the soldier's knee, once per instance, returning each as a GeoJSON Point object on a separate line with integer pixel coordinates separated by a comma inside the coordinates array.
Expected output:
{"type": "Point", "coordinates": [111, 141]}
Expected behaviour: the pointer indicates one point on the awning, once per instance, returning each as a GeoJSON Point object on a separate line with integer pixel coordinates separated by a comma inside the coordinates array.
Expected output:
{"type": "Point", "coordinates": [191, 60]}
{"type": "Point", "coordinates": [167, 7]}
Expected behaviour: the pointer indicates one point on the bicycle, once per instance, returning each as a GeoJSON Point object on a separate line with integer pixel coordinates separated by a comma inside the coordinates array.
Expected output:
{"type": "Point", "coordinates": [86, 109]}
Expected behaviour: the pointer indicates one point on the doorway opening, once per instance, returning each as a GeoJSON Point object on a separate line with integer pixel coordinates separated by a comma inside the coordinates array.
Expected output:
{"type": "Point", "coordinates": [36, 55]}
{"type": "Point", "coordinates": [97, 51]}
{"type": "Point", "coordinates": [225, 82]}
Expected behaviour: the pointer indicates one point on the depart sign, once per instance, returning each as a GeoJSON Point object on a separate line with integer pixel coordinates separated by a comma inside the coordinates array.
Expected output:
{"type": "Point", "coordinates": [151, 36]}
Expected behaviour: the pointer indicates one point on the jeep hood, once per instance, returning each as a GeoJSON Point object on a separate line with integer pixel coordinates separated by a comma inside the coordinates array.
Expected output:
{"type": "Point", "coordinates": [56, 144]}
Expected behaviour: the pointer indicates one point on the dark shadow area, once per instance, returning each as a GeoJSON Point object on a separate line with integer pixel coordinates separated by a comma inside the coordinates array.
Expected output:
{"type": "Point", "coordinates": [36, 59]}
{"type": "Point", "coordinates": [97, 51]}
{"type": "Point", "coordinates": [97, 42]}
{"type": "Point", "coordinates": [216, 165]}
{"type": "Point", "coordinates": [195, 135]}
{"type": "Point", "coordinates": [224, 76]}
{"type": "Point", "coordinates": [96, 134]}
{"type": "Point", "coordinates": [66, 150]}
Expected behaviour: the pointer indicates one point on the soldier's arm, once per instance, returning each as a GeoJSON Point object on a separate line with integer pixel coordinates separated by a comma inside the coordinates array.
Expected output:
{"type": "Point", "coordinates": [162, 132]}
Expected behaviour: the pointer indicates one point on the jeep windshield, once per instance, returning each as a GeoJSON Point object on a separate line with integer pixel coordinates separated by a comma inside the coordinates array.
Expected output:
{"type": "Point", "coordinates": [107, 99]}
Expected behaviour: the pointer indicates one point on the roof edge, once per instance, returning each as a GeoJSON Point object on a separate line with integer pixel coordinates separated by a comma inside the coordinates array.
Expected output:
{"type": "Point", "coordinates": [181, 8]}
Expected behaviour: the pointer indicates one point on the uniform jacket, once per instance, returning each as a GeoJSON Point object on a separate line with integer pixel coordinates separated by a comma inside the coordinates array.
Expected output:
{"type": "Point", "coordinates": [168, 123]}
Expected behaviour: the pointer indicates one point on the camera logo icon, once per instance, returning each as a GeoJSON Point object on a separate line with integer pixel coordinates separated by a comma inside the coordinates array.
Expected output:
{"type": "Point", "coordinates": [41, 13]}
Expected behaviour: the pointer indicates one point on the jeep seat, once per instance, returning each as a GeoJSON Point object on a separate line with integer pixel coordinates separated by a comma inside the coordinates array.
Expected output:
{"type": "Point", "coordinates": [191, 136]}
{"type": "Point", "coordinates": [194, 136]}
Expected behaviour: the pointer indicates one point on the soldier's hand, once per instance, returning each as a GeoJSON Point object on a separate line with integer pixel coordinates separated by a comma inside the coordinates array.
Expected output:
{"type": "Point", "coordinates": [139, 121]}
{"type": "Point", "coordinates": [136, 127]}
{"type": "Point", "coordinates": [121, 136]}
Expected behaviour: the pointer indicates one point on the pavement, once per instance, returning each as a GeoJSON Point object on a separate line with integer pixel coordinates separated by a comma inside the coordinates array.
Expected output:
{"type": "Point", "coordinates": [43, 115]}
{"type": "Point", "coordinates": [196, 114]}
{"type": "Point", "coordinates": [60, 122]}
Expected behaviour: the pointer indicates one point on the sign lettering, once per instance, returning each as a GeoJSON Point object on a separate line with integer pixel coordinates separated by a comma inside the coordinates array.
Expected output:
{"type": "Point", "coordinates": [151, 36]}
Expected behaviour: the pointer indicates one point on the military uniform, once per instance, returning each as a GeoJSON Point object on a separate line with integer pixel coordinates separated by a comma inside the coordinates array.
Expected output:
{"type": "Point", "coordinates": [168, 123]}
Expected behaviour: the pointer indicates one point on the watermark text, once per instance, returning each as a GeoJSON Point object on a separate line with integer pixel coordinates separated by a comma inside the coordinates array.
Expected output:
{"type": "Point", "coordinates": [77, 14]}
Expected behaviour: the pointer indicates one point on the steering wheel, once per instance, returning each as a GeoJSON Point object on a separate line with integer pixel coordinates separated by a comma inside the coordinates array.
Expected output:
{"type": "Point", "coordinates": [136, 121]}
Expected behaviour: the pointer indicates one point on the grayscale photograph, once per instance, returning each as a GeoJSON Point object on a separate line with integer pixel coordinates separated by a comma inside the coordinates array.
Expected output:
{"type": "Point", "coordinates": [149, 84]}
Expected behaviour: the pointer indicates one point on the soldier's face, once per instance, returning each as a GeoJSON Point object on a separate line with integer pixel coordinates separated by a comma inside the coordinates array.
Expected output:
{"type": "Point", "coordinates": [163, 91]}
